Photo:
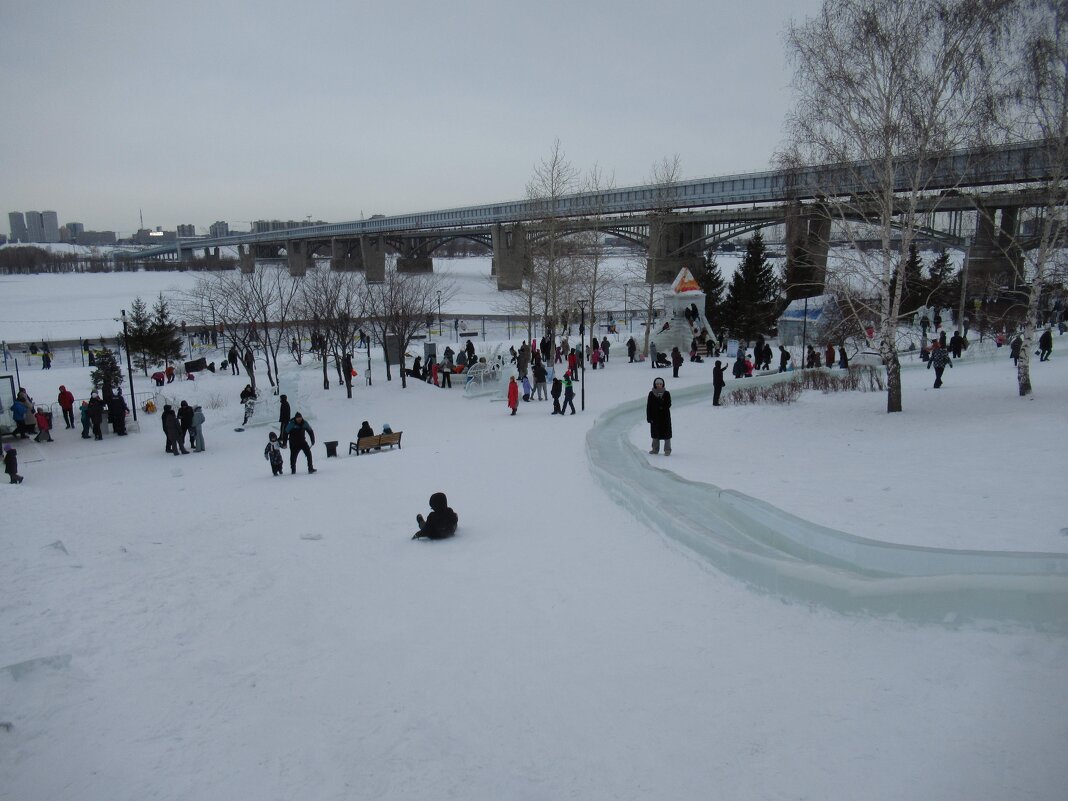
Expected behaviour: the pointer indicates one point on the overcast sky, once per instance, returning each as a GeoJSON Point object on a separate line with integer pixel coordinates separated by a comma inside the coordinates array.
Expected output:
{"type": "Point", "coordinates": [232, 110]}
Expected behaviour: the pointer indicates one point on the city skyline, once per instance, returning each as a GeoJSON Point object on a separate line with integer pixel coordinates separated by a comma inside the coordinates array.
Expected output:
{"type": "Point", "coordinates": [334, 113]}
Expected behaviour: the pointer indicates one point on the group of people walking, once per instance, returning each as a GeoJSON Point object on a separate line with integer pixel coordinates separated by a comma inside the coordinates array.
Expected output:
{"type": "Point", "coordinates": [178, 425]}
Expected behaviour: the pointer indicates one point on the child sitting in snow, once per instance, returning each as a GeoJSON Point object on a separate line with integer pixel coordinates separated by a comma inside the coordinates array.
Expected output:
{"type": "Point", "coordinates": [442, 521]}
{"type": "Point", "coordinates": [273, 454]}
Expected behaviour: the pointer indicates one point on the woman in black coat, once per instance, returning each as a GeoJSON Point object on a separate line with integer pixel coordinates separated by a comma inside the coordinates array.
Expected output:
{"type": "Point", "coordinates": [658, 415]}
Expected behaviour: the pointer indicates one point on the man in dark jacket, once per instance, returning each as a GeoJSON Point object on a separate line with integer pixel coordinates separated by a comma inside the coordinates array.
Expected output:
{"type": "Point", "coordinates": [231, 359]}
{"type": "Point", "coordinates": [117, 413]}
{"type": "Point", "coordinates": [1045, 345]}
{"type": "Point", "coordinates": [298, 432]}
{"type": "Point", "coordinates": [283, 417]}
{"type": "Point", "coordinates": [172, 429]}
{"type": "Point", "coordinates": [956, 343]}
{"type": "Point", "coordinates": [557, 388]}
{"type": "Point", "coordinates": [441, 522]}
{"type": "Point", "coordinates": [717, 382]}
{"type": "Point", "coordinates": [185, 420]}
{"type": "Point", "coordinates": [96, 415]}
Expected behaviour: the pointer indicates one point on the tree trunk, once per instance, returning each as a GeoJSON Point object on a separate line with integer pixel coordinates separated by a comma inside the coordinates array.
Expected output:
{"type": "Point", "coordinates": [893, 384]}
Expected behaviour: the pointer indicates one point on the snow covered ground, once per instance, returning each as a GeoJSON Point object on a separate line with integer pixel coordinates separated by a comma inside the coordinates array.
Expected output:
{"type": "Point", "coordinates": [193, 628]}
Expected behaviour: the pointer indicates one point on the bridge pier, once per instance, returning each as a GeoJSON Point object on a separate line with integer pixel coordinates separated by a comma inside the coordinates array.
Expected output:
{"type": "Point", "coordinates": [245, 260]}
{"type": "Point", "coordinates": [808, 234]}
{"type": "Point", "coordinates": [511, 256]}
{"type": "Point", "coordinates": [994, 257]}
{"type": "Point", "coordinates": [346, 254]}
{"type": "Point", "coordinates": [297, 258]}
{"type": "Point", "coordinates": [415, 259]}
{"type": "Point", "coordinates": [672, 246]}
{"type": "Point", "coordinates": [373, 255]}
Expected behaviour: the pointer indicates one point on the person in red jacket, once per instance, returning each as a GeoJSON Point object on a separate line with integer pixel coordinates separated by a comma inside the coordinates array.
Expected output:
{"type": "Point", "coordinates": [43, 426]}
{"type": "Point", "coordinates": [572, 362]}
{"type": "Point", "coordinates": [66, 403]}
{"type": "Point", "coordinates": [513, 395]}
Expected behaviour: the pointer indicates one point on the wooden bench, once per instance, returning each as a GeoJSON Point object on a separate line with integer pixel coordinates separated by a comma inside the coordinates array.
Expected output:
{"type": "Point", "coordinates": [377, 442]}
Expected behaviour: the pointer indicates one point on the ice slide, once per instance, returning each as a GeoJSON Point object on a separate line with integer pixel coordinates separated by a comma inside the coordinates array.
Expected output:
{"type": "Point", "coordinates": [781, 553]}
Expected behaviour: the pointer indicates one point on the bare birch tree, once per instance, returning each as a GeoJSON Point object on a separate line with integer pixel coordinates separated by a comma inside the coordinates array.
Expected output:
{"type": "Point", "coordinates": [551, 279]}
{"type": "Point", "coordinates": [884, 90]}
{"type": "Point", "coordinates": [1040, 91]}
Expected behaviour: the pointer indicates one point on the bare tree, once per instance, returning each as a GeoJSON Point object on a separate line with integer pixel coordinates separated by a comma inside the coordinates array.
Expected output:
{"type": "Point", "coordinates": [401, 305]}
{"type": "Point", "coordinates": [1040, 91]}
{"type": "Point", "coordinates": [550, 279]}
{"type": "Point", "coordinates": [595, 282]}
{"type": "Point", "coordinates": [884, 90]}
{"type": "Point", "coordinates": [334, 301]}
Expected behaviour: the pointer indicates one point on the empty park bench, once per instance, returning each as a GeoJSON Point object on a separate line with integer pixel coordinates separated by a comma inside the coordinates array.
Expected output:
{"type": "Point", "coordinates": [377, 442]}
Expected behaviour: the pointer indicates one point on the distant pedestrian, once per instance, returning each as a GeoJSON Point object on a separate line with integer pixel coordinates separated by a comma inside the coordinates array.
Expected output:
{"type": "Point", "coordinates": [828, 355]}
{"type": "Point", "coordinates": [526, 389]}
{"type": "Point", "coordinates": [843, 359]}
{"type": "Point", "coordinates": [717, 381]}
{"type": "Point", "coordinates": [606, 347]}
{"type": "Point", "coordinates": [84, 417]}
{"type": "Point", "coordinates": [956, 343]}
{"type": "Point", "coordinates": [658, 416]}
{"type": "Point", "coordinates": [939, 360]}
{"type": "Point", "coordinates": [117, 413]}
{"type": "Point", "coordinates": [569, 394]}
{"type": "Point", "coordinates": [283, 416]}
{"type": "Point", "coordinates": [172, 430]}
{"type": "Point", "coordinates": [1014, 349]}
{"type": "Point", "coordinates": [513, 395]}
{"type": "Point", "coordinates": [11, 464]}
{"type": "Point", "coordinates": [557, 388]}
{"type": "Point", "coordinates": [66, 403]}
{"type": "Point", "coordinates": [96, 415]}
{"type": "Point", "coordinates": [539, 379]}
{"type": "Point", "coordinates": [196, 430]}
{"type": "Point", "coordinates": [44, 433]}
{"type": "Point", "coordinates": [676, 361]}
{"type": "Point", "coordinates": [632, 348]}
{"type": "Point", "coordinates": [784, 358]}
{"type": "Point", "coordinates": [231, 359]}
{"type": "Point", "coordinates": [1045, 345]}
{"type": "Point", "coordinates": [652, 354]}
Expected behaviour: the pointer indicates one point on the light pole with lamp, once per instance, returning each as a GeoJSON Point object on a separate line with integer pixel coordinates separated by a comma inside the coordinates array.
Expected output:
{"type": "Point", "coordinates": [582, 350]}
{"type": "Point", "coordinates": [439, 314]}
{"type": "Point", "coordinates": [129, 364]}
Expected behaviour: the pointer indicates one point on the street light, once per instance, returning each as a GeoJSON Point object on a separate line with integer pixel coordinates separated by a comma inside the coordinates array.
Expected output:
{"type": "Point", "coordinates": [439, 313]}
{"type": "Point", "coordinates": [129, 364]}
{"type": "Point", "coordinates": [582, 350]}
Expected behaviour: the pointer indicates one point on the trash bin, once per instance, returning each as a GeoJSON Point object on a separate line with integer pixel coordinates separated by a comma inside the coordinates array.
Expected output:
{"type": "Point", "coordinates": [331, 448]}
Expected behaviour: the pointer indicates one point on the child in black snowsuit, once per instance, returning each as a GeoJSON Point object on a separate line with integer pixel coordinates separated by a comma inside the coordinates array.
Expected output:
{"type": "Point", "coordinates": [442, 521]}
{"type": "Point", "coordinates": [11, 464]}
{"type": "Point", "coordinates": [273, 454]}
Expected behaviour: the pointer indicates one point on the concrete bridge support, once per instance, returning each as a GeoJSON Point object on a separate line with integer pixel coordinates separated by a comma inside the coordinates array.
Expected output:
{"type": "Point", "coordinates": [297, 257]}
{"type": "Point", "coordinates": [511, 255]}
{"type": "Point", "coordinates": [246, 261]}
{"type": "Point", "coordinates": [346, 254]}
{"type": "Point", "coordinates": [808, 234]}
{"type": "Point", "coordinates": [994, 257]}
{"type": "Point", "coordinates": [672, 246]}
{"type": "Point", "coordinates": [373, 255]}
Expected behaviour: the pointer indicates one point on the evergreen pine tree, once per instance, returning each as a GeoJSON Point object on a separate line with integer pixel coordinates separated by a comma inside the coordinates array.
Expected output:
{"type": "Point", "coordinates": [945, 285]}
{"type": "Point", "coordinates": [711, 282]}
{"type": "Point", "coordinates": [165, 340]}
{"type": "Point", "coordinates": [107, 375]}
{"type": "Point", "coordinates": [752, 299]}
{"type": "Point", "coordinates": [139, 335]}
{"type": "Point", "coordinates": [915, 288]}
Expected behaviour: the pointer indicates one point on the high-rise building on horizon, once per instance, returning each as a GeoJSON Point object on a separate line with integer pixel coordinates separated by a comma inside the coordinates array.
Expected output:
{"type": "Point", "coordinates": [50, 225]}
{"type": "Point", "coordinates": [187, 231]}
{"type": "Point", "coordinates": [34, 226]}
{"type": "Point", "coordinates": [219, 228]}
{"type": "Point", "coordinates": [18, 226]}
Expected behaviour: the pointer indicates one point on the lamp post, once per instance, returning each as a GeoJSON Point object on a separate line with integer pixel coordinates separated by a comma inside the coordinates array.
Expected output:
{"type": "Point", "coordinates": [625, 306]}
{"type": "Point", "coordinates": [439, 313]}
{"type": "Point", "coordinates": [582, 350]}
{"type": "Point", "coordinates": [129, 364]}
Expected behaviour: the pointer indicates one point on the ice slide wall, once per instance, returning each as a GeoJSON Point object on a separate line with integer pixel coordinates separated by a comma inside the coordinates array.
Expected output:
{"type": "Point", "coordinates": [781, 553]}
